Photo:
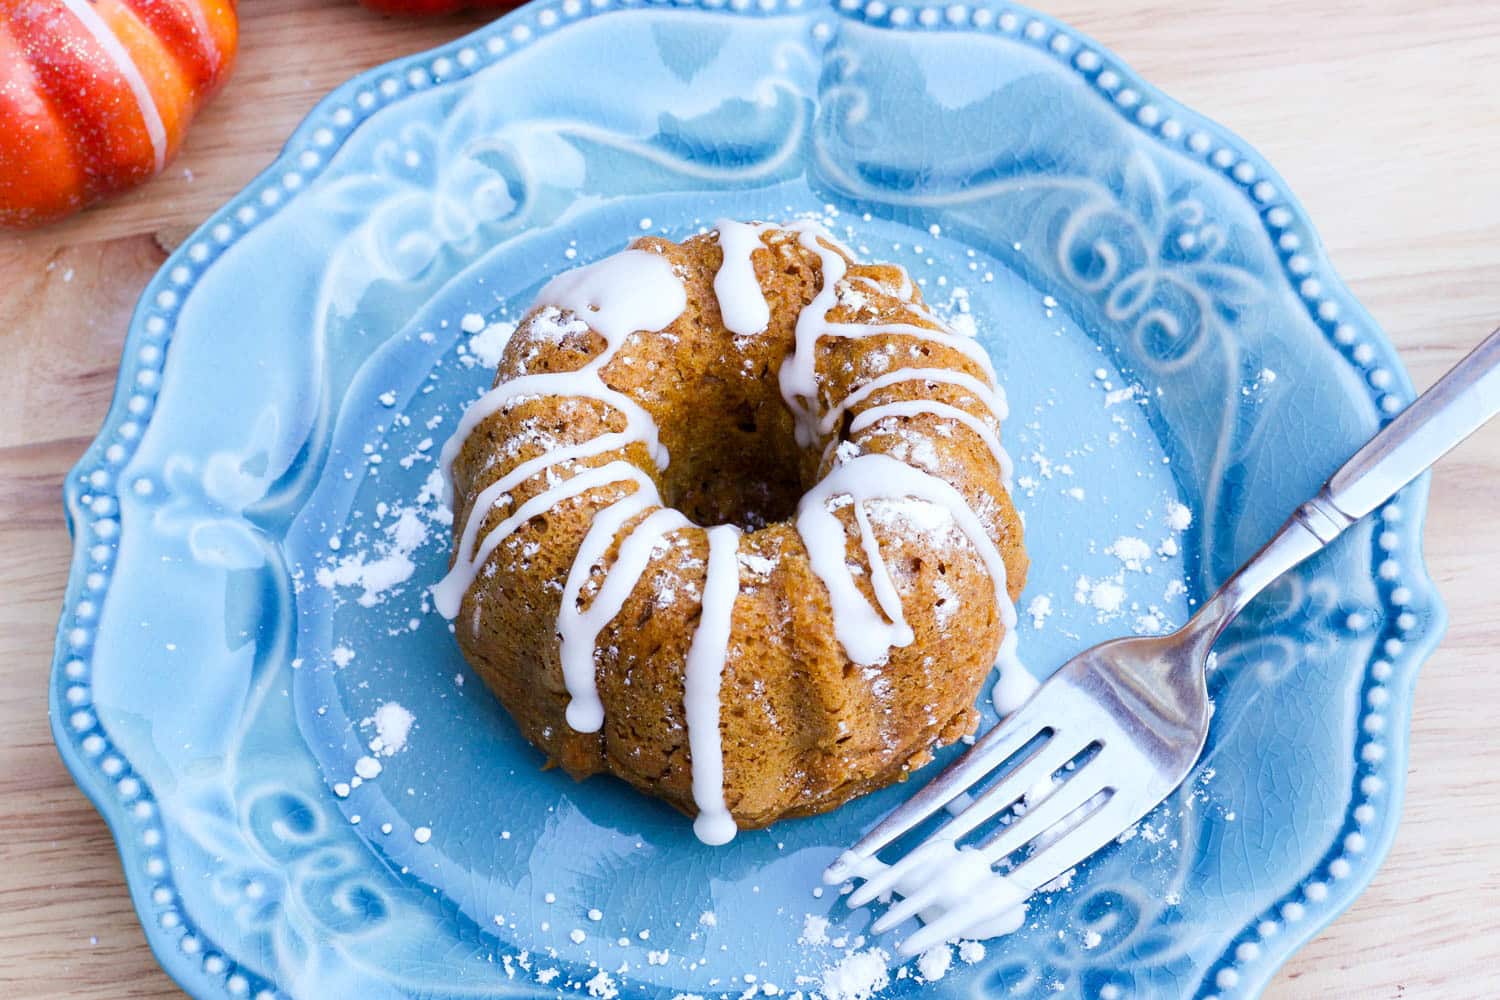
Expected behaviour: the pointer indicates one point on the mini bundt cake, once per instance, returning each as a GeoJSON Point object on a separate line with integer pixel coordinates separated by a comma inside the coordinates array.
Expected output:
{"type": "Point", "coordinates": [732, 525]}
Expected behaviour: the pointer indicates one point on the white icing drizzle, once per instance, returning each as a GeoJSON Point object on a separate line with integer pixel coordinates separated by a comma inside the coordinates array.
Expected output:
{"type": "Point", "coordinates": [703, 675]}
{"type": "Point", "coordinates": [906, 293]}
{"type": "Point", "coordinates": [496, 491]}
{"type": "Point", "coordinates": [949, 883]}
{"type": "Point", "coordinates": [967, 346]}
{"type": "Point", "coordinates": [448, 593]}
{"type": "Point", "coordinates": [580, 629]}
{"type": "Point", "coordinates": [584, 383]}
{"type": "Point", "coordinates": [903, 292]}
{"type": "Point", "coordinates": [742, 302]}
{"type": "Point", "coordinates": [913, 407]}
{"type": "Point", "coordinates": [865, 635]}
{"type": "Point", "coordinates": [992, 398]}
{"type": "Point", "coordinates": [798, 376]}
{"type": "Point", "coordinates": [880, 578]}
{"type": "Point", "coordinates": [632, 291]}
{"type": "Point", "coordinates": [1014, 685]}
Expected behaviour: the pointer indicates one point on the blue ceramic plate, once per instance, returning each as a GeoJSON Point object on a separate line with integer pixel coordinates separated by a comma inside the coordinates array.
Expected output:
{"type": "Point", "coordinates": [255, 530]}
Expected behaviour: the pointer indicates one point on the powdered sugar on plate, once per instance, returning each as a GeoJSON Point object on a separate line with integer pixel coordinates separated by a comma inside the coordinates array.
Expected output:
{"type": "Point", "coordinates": [602, 986]}
{"type": "Point", "coordinates": [857, 976]}
{"type": "Point", "coordinates": [1133, 552]}
{"type": "Point", "coordinates": [487, 345]}
{"type": "Point", "coordinates": [814, 930]}
{"type": "Point", "coordinates": [388, 565]}
{"type": "Point", "coordinates": [392, 724]}
{"type": "Point", "coordinates": [1179, 516]}
{"type": "Point", "coordinates": [934, 963]}
{"type": "Point", "coordinates": [971, 951]}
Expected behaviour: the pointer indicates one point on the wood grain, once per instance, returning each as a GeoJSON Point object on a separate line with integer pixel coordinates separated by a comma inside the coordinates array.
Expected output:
{"type": "Point", "coordinates": [1382, 116]}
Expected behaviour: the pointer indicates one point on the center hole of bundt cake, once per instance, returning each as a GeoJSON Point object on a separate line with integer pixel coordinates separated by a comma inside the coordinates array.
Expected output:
{"type": "Point", "coordinates": [734, 457]}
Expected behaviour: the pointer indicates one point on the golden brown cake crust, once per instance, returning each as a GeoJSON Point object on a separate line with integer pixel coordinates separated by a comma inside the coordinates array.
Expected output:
{"type": "Point", "coordinates": [803, 728]}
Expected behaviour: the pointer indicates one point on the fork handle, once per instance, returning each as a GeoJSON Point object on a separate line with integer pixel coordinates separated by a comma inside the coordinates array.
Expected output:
{"type": "Point", "coordinates": [1452, 409]}
{"type": "Point", "coordinates": [1456, 405]}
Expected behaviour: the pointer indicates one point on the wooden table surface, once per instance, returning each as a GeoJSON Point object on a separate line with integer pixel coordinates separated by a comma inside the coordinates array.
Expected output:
{"type": "Point", "coordinates": [1384, 117]}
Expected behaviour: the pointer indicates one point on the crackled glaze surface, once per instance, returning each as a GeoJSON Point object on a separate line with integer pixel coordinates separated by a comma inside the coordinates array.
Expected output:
{"type": "Point", "coordinates": [221, 731]}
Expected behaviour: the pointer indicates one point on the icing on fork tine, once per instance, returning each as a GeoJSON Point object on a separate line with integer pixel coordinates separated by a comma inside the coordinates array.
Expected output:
{"type": "Point", "coordinates": [1072, 715]}
{"type": "Point", "coordinates": [988, 752]}
{"type": "Point", "coordinates": [1139, 705]}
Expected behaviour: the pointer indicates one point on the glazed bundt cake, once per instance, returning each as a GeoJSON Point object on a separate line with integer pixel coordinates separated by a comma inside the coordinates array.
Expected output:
{"type": "Point", "coordinates": [732, 525]}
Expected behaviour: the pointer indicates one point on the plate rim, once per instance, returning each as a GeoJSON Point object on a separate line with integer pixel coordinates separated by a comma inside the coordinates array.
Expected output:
{"type": "Point", "coordinates": [343, 110]}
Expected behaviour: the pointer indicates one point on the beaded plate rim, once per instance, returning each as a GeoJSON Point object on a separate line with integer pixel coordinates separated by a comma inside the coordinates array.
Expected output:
{"type": "Point", "coordinates": [127, 804]}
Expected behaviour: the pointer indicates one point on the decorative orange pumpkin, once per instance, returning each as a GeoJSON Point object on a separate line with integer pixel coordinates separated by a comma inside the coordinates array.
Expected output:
{"type": "Point", "coordinates": [433, 6]}
{"type": "Point", "coordinates": [95, 95]}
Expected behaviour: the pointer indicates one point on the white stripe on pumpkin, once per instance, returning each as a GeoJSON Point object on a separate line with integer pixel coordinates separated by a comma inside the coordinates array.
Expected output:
{"type": "Point", "coordinates": [129, 72]}
{"type": "Point", "coordinates": [204, 35]}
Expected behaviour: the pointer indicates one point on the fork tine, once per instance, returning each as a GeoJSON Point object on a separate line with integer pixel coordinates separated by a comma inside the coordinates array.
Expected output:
{"type": "Point", "coordinates": [955, 923]}
{"type": "Point", "coordinates": [908, 906]}
{"type": "Point", "coordinates": [883, 881]}
{"type": "Point", "coordinates": [1042, 761]}
{"type": "Point", "coordinates": [1053, 809]}
{"type": "Point", "coordinates": [1103, 825]}
{"type": "Point", "coordinates": [1047, 758]}
{"type": "Point", "coordinates": [877, 885]}
{"type": "Point", "coordinates": [1073, 846]}
{"type": "Point", "coordinates": [992, 749]}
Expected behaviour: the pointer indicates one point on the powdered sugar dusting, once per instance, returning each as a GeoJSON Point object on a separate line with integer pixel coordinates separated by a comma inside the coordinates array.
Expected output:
{"type": "Point", "coordinates": [603, 986]}
{"type": "Point", "coordinates": [488, 345]}
{"type": "Point", "coordinates": [392, 723]}
{"type": "Point", "coordinates": [934, 963]}
{"type": "Point", "coordinates": [1038, 610]}
{"type": "Point", "coordinates": [552, 324]}
{"type": "Point", "coordinates": [858, 976]}
{"type": "Point", "coordinates": [1106, 596]}
{"type": "Point", "coordinates": [757, 565]}
{"type": "Point", "coordinates": [814, 930]}
{"type": "Point", "coordinates": [387, 568]}
{"type": "Point", "coordinates": [1133, 552]}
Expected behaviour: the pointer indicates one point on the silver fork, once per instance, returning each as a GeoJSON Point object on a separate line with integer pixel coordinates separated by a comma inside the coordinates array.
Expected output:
{"type": "Point", "coordinates": [1139, 706]}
